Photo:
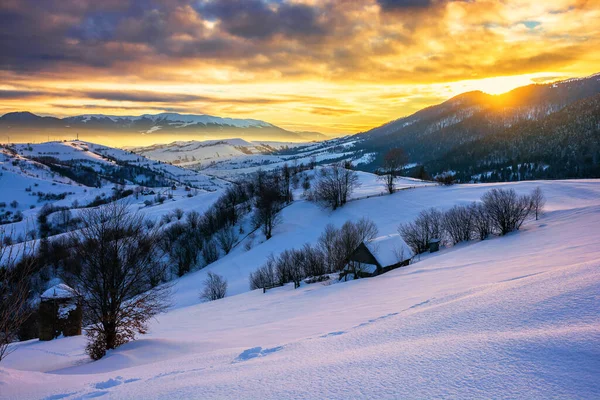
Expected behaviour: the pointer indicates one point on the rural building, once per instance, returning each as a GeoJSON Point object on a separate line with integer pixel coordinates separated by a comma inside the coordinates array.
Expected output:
{"type": "Point", "coordinates": [59, 313]}
{"type": "Point", "coordinates": [379, 255]}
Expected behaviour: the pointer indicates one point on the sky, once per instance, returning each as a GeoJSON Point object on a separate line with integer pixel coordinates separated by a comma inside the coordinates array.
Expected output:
{"type": "Point", "coordinates": [333, 66]}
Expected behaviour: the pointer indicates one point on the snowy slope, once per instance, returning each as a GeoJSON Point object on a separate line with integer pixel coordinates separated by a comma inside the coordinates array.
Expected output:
{"type": "Point", "coordinates": [509, 317]}
{"type": "Point", "coordinates": [200, 154]}
{"type": "Point", "coordinates": [231, 158]}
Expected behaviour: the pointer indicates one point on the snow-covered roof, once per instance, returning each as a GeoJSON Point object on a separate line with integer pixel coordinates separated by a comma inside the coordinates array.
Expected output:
{"type": "Point", "coordinates": [389, 250]}
{"type": "Point", "coordinates": [60, 291]}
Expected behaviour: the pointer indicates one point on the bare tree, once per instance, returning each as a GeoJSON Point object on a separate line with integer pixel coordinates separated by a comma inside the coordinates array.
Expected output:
{"type": "Point", "coordinates": [120, 267]}
{"type": "Point", "coordinates": [210, 252]}
{"type": "Point", "coordinates": [482, 225]}
{"type": "Point", "coordinates": [458, 224]}
{"type": "Point", "coordinates": [215, 287]}
{"type": "Point", "coordinates": [538, 201]}
{"type": "Point", "coordinates": [226, 238]}
{"type": "Point", "coordinates": [338, 244]}
{"type": "Point", "coordinates": [16, 267]}
{"type": "Point", "coordinates": [507, 210]}
{"type": "Point", "coordinates": [418, 234]}
{"type": "Point", "coordinates": [265, 276]}
{"type": "Point", "coordinates": [268, 203]}
{"type": "Point", "coordinates": [335, 184]}
{"type": "Point", "coordinates": [394, 162]}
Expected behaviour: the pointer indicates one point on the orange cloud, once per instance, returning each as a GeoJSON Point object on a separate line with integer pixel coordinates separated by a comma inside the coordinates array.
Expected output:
{"type": "Point", "coordinates": [335, 66]}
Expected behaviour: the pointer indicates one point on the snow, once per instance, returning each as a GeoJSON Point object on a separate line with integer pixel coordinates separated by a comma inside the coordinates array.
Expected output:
{"type": "Point", "coordinates": [182, 119]}
{"type": "Point", "coordinates": [60, 291]}
{"type": "Point", "coordinates": [389, 250]}
{"type": "Point", "coordinates": [509, 317]}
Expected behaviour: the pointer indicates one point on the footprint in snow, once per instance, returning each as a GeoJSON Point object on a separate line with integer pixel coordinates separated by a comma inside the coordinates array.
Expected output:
{"type": "Point", "coordinates": [59, 396]}
{"type": "Point", "coordinates": [337, 333]}
{"type": "Point", "coordinates": [109, 383]}
{"type": "Point", "coordinates": [256, 352]}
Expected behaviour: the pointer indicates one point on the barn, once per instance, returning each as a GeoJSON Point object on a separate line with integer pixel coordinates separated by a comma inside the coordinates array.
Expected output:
{"type": "Point", "coordinates": [376, 256]}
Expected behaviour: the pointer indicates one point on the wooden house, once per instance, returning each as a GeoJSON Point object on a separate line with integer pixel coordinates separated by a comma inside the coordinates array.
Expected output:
{"type": "Point", "coordinates": [379, 255]}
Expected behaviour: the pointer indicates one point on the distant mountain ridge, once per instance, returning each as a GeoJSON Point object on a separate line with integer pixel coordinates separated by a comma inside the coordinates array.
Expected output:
{"type": "Point", "coordinates": [162, 123]}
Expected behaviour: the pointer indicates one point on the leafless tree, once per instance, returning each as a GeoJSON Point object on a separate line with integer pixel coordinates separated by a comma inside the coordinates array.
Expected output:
{"type": "Point", "coordinates": [120, 268]}
{"type": "Point", "coordinates": [16, 267]}
{"type": "Point", "coordinates": [226, 238]}
{"type": "Point", "coordinates": [482, 225]}
{"type": "Point", "coordinates": [338, 244]}
{"type": "Point", "coordinates": [538, 201]}
{"type": "Point", "coordinates": [394, 162]}
{"type": "Point", "coordinates": [327, 243]}
{"type": "Point", "coordinates": [334, 185]}
{"type": "Point", "coordinates": [418, 234]}
{"type": "Point", "coordinates": [210, 252]}
{"type": "Point", "coordinates": [265, 276]}
{"type": "Point", "coordinates": [215, 287]}
{"type": "Point", "coordinates": [267, 205]}
{"type": "Point", "coordinates": [178, 213]}
{"type": "Point", "coordinates": [458, 224]}
{"type": "Point", "coordinates": [507, 210]}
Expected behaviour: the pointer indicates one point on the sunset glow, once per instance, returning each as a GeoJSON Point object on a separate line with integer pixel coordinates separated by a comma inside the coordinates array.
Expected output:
{"type": "Point", "coordinates": [330, 66]}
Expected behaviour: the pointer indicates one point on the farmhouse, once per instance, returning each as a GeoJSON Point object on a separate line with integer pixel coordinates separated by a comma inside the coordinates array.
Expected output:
{"type": "Point", "coordinates": [379, 255]}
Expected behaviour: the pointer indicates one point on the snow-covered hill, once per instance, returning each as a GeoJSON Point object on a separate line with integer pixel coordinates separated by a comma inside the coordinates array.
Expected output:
{"type": "Point", "coordinates": [231, 158]}
{"type": "Point", "coordinates": [510, 317]}
{"type": "Point", "coordinates": [202, 154]}
{"type": "Point", "coordinates": [75, 174]}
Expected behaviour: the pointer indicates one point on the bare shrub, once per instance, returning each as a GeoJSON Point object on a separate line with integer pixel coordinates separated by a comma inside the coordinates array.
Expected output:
{"type": "Point", "coordinates": [178, 213]}
{"type": "Point", "coordinates": [210, 252]}
{"type": "Point", "coordinates": [418, 234]}
{"type": "Point", "coordinates": [215, 287]}
{"type": "Point", "coordinates": [482, 224]}
{"type": "Point", "coordinates": [226, 238]}
{"type": "Point", "coordinates": [507, 210]}
{"type": "Point", "coordinates": [265, 276]}
{"type": "Point", "coordinates": [538, 201]}
{"type": "Point", "coordinates": [458, 224]}
{"type": "Point", "coordinates": [334, 185]}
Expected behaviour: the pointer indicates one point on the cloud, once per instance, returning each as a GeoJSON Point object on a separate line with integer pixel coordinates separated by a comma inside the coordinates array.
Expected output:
{"type": "Point", "coordinates": [327, 60]}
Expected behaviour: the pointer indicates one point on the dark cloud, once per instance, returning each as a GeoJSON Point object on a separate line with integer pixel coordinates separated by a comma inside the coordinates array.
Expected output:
{"type": "Point", "coordinates": [259, 19]}
{"type": "Point", "coordinates": [395, 5]}
{"type": "Point", "coordinates": [20, 94]}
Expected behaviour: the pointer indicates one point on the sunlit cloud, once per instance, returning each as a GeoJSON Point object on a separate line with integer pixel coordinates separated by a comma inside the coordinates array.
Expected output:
{"type": "Point", "coordinates": [333, 66]}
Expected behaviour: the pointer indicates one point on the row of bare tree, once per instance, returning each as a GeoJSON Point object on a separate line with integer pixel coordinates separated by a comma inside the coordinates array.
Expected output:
{"type": "Point", "coordinates": [500, 211]}
{"type": "Point", "coordinates": [330, 254]}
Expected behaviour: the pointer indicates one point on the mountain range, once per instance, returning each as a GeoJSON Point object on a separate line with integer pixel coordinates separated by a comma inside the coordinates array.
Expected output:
{"type": "Point", "coordinates": [164, 125]}
{"type": "Point", "coordinates": [544, 131]}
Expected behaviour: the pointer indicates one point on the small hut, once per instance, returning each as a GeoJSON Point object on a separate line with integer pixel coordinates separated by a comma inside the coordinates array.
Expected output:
{"type": "Point", "coordinates": [377, 256]}
{"type": "Point", "coordinates": [434, 245]}
{"type": "Point", "coordinates": [59, 313]}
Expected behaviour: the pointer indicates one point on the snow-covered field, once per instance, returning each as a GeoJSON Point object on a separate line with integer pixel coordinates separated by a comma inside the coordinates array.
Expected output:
{"type": "Point", "coordinates": [230, 158]}
{"type": "Point", "coordinates": [509, 317]}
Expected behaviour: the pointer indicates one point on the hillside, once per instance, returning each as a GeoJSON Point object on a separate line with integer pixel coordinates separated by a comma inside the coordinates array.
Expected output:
{"type": "Point", "coordinates": [232, 158]}
{"type": "Point", "coordinates": [78, 174]}
{"type": "Point", "coordinates": [507, 317]}
{"type": "Point", "coordinates": [467, 123]}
